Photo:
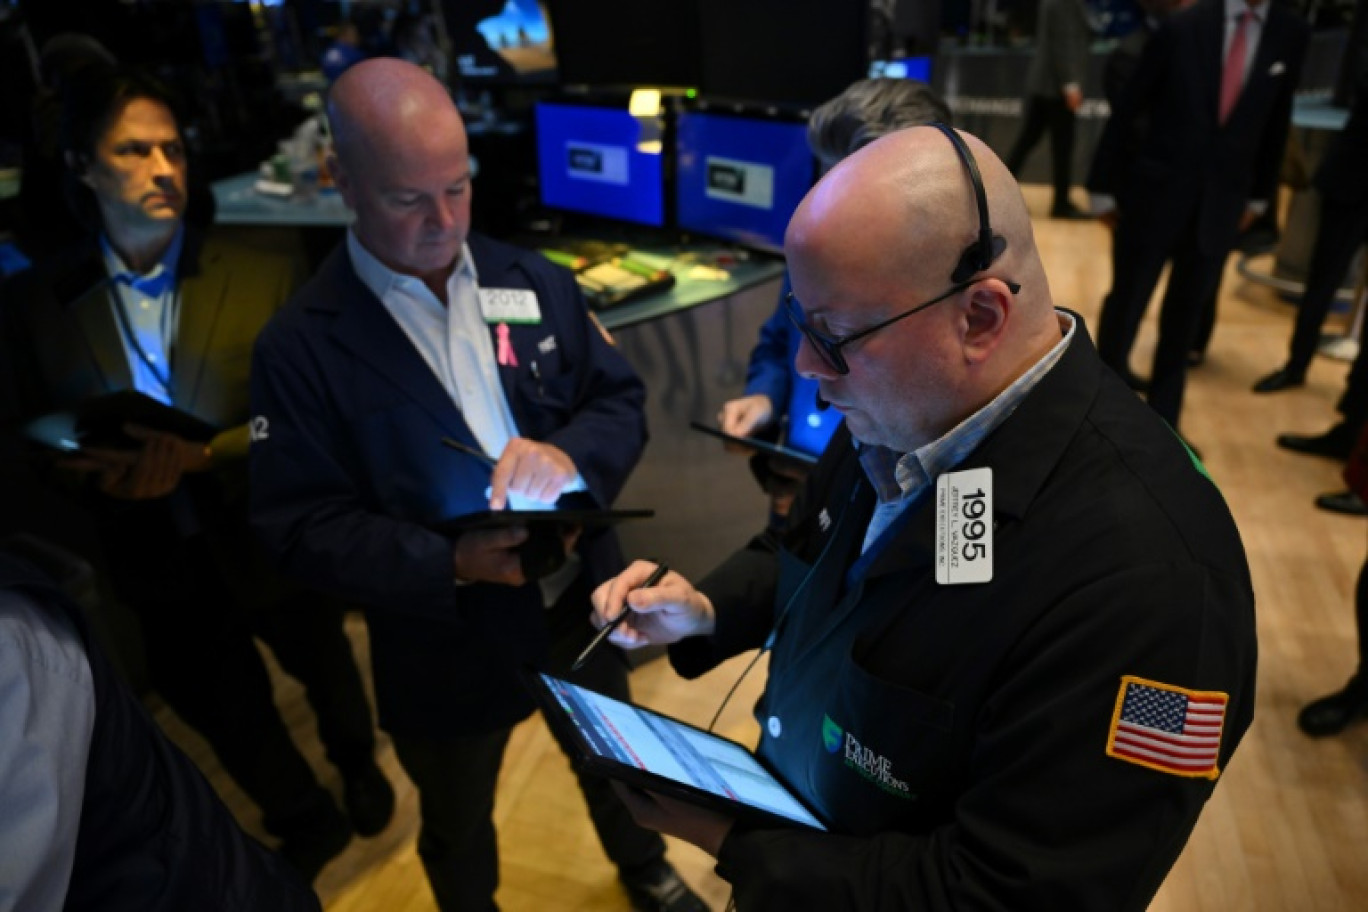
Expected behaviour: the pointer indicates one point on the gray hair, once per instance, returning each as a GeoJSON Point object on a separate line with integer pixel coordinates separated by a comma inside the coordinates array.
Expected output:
{"type": "Point", "coordinates": [867, 110]}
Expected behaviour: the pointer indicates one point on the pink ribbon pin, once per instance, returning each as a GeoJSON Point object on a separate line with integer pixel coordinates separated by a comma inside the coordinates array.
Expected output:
{"type": "Point", "coordinates": [505, 352]}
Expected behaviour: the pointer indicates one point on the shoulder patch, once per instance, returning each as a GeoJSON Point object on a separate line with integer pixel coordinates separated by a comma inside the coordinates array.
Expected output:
{"type": "Point", "coordinates": [1168, 728]}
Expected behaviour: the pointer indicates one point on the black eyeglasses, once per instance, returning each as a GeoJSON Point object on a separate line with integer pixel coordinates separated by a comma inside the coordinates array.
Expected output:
{"type": "Point", "coordinates": [829, 347]}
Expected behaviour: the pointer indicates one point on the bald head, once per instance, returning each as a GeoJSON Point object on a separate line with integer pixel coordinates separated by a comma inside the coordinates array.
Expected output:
{"type": "Point", "coordinates": [401, 163]}
{"type": "Point", "coordinates": [905, 207]}
{"type": "Point", "coordinates": [387, 105]}
{"type": "Point", "coordinates": [882, 233]}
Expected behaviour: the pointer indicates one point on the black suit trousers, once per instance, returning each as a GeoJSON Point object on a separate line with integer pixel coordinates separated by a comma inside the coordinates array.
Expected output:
{"type": "Point", "coordinates": [198, 636]}
{"type": "Point", "coordinates": [1042, 113]}
{"type": "Point", "coordinates": [1194, 275]}
{"type": "Point", "coordinates": [456, 779]}
{"type": "Point", "coordinates": [1341, 229]}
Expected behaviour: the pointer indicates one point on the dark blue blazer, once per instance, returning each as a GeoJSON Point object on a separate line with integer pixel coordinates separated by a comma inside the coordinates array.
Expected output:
{"type": "Point", "coordinates": [1164, 150]}
{"type": "Point", "coordinates": [349, 475]}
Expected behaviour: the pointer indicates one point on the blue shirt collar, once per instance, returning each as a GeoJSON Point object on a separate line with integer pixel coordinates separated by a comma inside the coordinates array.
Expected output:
{"type": "Point", "coordinates": [156, 281]}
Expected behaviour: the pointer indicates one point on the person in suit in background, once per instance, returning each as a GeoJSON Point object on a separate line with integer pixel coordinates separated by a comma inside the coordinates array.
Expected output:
{"type": "Point", "coordinates": [414, 330]}
{"type": "Point", "coordinates": [1199, 129]}
{"type": "Point", "coordinates": [148, 301]}
{"type": "Point", "coordinates": [1342, 181]}
{"type": "Point", "coordinates": [1054, 87]}
{"type": "Point", "coordinates": [864, 111]}
{"type": "Point", "coordinates": [1120, 64]}
{"type": "Point", "coordinates": [1332, 713]}
{"type": "Point", "coordinates": [102, 812]}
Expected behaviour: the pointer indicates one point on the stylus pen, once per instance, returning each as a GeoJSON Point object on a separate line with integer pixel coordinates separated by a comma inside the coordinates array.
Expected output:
{"type": "Point", "coordinates": [470, 451]}
{"type": "Point", "coordinates": [656, 576]}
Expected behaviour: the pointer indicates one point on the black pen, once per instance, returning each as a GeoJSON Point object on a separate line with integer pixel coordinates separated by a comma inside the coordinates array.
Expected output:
{"type": "Point", "coordinates": [656, 576]}
{"type": "Point", "coordinates": [470, 451]}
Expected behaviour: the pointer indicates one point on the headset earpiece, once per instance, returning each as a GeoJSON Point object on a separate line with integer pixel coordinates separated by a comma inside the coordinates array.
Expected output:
{"type": "Point", "coordinates": [977, 257]}
{"type": "Point", "coordinates": [981, 254]}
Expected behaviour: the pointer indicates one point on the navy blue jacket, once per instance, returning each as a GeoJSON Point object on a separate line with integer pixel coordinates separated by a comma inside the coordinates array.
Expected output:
{"type": "Point", "coordinates": [349, 475]}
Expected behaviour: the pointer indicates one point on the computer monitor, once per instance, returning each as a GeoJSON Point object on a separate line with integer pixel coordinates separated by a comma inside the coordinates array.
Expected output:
{"type": "Point", "coordinates": [624, 43]}
{"type": "Point", "coordinates": [591, 160]}
{"type": "Point", "coordinates": [739, 178]}
{"type": "Point", "coordinates": [918, 68]}
{"type": "Point", "coordinates": [783, 52]}
{"type": "Point", "coordinates": [501, 43]}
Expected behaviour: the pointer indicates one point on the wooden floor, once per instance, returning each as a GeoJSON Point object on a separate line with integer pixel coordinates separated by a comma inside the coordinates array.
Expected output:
{"type": "Point", "coordinates": [1288, 825]}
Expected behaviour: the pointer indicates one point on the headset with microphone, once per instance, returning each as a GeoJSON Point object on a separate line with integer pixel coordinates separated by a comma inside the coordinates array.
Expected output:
{"type": "Point", "coordinates": [987, 247]}
{"type": "Point", "coordinates": [981, 254]}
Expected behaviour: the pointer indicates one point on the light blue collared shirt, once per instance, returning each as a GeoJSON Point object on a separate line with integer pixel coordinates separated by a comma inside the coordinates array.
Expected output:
{"type": "Point", "coordinates": [146, 308]}
{"type": "Point", "coordinates": [898, 479]}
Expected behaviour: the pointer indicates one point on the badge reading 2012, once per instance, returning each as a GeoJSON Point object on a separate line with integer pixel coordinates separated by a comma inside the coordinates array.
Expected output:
{"type": "Point", "coordinates": [964, 527]}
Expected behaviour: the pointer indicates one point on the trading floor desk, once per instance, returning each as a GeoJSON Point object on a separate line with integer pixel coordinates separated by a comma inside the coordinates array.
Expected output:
{"type": "Point", "coordinates": [704, 271]}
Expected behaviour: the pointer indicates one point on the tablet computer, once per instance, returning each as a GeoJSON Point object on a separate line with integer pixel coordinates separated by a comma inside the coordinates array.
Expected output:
{"type": "Point", "coordinates": [99, 422]}
{"type": "Point", "coordinates": [755, 443]}
{"type": "Point", "coordinates": [645, 749]}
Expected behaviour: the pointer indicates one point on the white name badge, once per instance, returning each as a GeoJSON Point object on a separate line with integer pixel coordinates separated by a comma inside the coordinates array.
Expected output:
{"type": "Point", "coordinates": [509, 305]}
{"type": "Point", "coordinates": [964, 527]}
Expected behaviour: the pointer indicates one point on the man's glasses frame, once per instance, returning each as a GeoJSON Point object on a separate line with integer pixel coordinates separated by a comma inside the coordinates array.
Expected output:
{"type": "Point", "coordinates": [828, 348]}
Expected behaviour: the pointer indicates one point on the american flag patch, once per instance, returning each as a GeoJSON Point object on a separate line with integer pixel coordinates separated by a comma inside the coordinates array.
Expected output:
{"type": "Point", "coordinates": [1168, 728]}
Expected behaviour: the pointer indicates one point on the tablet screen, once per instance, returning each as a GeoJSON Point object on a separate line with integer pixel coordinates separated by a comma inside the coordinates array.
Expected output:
{"type": "Point", "coordinates": [638, 738]}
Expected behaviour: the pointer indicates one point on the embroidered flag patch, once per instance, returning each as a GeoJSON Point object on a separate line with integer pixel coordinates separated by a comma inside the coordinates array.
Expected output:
{"type": "Point", "coordinates": [1168, 728]}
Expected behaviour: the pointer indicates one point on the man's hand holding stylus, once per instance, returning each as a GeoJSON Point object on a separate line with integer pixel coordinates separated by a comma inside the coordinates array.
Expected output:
{"type": "Point", "coordinates": [665, 613]}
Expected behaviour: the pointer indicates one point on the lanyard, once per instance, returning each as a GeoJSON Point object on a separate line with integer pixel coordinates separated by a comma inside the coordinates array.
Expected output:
{"type": "Point", "coordinates": [170, 327]}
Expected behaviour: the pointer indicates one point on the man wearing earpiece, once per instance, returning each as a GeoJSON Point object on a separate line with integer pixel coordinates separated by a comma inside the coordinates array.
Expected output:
{"type": "Point", "coordinates": [1011, 623]}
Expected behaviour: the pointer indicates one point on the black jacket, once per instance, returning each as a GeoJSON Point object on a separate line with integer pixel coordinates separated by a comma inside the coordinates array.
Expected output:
{"type": "Point", "coordinates": [957, 737]}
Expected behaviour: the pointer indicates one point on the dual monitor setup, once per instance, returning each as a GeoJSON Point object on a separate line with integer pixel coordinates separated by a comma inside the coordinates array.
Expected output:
{"type": "Point", "coordinates": [719, 174]}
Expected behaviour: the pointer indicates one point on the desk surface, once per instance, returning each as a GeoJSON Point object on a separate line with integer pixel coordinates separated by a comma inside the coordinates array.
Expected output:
{"type": "Point", "coordinates": [237, 203]}
{"type": "Point", "coordinates": [688, 290]}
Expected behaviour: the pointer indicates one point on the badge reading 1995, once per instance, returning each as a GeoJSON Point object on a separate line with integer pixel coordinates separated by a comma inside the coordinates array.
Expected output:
{"type": "Point", "coordinates": [964, 527]}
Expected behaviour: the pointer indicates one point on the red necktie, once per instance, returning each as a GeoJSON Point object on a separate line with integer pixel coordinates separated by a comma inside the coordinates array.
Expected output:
{"type": "Point", "coordinates": [1232, 77]}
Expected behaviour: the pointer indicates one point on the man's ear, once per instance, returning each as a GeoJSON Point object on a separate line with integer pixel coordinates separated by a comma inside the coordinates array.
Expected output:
{"type": "Point", "coordinates": [340, 178]}
{"type": "Point", "coordinates": [986, 311]}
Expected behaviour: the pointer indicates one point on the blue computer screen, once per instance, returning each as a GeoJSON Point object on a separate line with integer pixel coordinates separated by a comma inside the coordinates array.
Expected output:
{"type": "Point", "coordinates": [918, 68]}
{"type": "Point", "coordinates": [809, 428]}
{"type": "Point", "coordinates": [588, 161]}
{"type": "Point", "coordinates": [740, 178]}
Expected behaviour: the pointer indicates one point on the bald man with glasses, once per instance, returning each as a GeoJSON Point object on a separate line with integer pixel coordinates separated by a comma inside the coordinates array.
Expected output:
{"type": "Point", "coordinates": [1010, 625]}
